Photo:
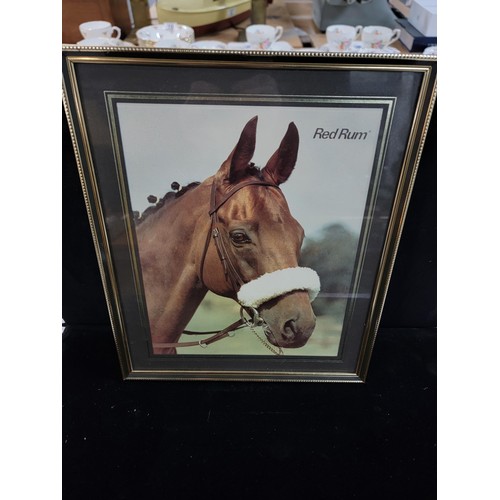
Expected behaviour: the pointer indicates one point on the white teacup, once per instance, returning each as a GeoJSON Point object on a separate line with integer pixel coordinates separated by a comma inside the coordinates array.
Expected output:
{"type": "Point", "coordinates": [379, 37]}
{"type": "Point", "coordinates": [149, 36]}
{"type": "Point", "coordinates": [99, 29]}
{"type": "Point", "coordinates": [209, 45]}
{"type": "Point", "coordinates": [341, 36]}
{"type": "Point", "coordinates": [261, 36]}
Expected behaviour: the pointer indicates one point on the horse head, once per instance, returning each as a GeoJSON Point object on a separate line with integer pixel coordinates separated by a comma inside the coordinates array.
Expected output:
{"type": "Point", "coordinates": [257, 241]}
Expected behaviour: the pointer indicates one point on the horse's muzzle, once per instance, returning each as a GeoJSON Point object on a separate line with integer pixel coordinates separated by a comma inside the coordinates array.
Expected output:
{"type": "Point", "coordinates": [283, 299]}
{"type": "Point", "coordinates": [289, 320]}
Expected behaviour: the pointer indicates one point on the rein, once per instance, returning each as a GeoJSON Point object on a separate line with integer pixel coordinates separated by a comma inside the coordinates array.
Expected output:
{"type": "Point", "coordinates": [226, 332]}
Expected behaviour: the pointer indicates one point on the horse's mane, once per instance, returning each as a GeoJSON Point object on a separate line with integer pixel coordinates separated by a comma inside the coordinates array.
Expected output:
{"type": "Point", "coordinates": [177, 192]}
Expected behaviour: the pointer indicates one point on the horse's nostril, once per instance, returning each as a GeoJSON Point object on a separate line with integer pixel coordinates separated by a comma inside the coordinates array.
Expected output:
{"type": "Point", "coordinates": [289, 329]}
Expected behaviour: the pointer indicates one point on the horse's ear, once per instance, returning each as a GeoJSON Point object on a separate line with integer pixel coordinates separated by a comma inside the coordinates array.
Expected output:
{"type": "Point", "coordinates": [282, 162]}
{"type": "Point", "coordinates": [236, 166]}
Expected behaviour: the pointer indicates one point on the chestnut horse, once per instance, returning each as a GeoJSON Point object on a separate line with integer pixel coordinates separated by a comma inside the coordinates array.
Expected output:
{"type": "Point", "coordinates": [232, 234]}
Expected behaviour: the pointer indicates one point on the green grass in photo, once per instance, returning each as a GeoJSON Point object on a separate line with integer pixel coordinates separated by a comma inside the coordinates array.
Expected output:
{"type": "Point", "coordinates": [216, 313]}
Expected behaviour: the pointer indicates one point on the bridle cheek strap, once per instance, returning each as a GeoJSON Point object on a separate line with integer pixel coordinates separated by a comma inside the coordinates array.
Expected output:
{"type": "Point", "coordinates": [272, 285]}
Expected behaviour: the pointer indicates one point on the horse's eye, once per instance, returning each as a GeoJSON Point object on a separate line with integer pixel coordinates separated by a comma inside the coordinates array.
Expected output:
{"type": "Point", "coordinates": [239, 237]}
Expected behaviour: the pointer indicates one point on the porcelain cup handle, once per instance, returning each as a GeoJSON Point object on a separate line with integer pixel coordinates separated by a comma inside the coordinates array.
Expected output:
{"type": "Point", "coordinates": [278, 33]}
{"type": "Point", "coordinates": [117, 30]}
{"type": "Point", "coordinates": [358, 31]}
{"type": "Point", "coordinates": [395, 35]}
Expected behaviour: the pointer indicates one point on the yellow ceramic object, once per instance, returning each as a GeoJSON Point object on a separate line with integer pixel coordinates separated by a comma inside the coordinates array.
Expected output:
{"type": "Point", "coordinates": [203, 15]}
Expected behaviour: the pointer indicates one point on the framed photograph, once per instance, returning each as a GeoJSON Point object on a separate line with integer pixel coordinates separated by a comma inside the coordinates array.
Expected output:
{"type": "Point", "coordinates": [246, 207]}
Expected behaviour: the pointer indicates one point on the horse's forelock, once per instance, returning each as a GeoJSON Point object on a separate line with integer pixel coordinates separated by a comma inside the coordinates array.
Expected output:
{"type": "Point", "coordinates": [251, 170]}
{"type": "Point", "coordinates": [254, 171]}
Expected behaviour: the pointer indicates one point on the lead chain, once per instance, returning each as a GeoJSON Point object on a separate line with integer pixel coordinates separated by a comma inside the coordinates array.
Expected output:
{"type": "Point", "coordinates": [266, 344]}
{"type": "Point", "coordinates": [258, 321]}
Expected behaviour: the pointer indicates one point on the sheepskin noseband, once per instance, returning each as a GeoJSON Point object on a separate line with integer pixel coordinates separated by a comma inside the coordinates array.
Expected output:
{"type": "Point", "coordinates": [277, 283]}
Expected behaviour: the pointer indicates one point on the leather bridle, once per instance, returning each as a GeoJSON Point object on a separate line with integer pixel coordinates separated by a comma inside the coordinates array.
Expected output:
{"type": "Point", "coordinates": [230, 271]}
{"type": "Point", "coordinates": [233, 277]}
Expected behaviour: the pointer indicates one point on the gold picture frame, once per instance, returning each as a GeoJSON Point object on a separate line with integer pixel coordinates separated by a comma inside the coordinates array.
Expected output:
{"type": "Point", "coordinates": [250, 148]}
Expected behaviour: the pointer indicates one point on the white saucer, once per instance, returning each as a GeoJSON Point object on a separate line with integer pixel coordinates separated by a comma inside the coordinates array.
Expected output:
{"type": "Point", "coordinates": [239, 46]}
{"type": "Point", "coordinates": [307, 49]}
{"type": "Point", "coordinates": [359, 48]}
{"type": "Point", "coordinates": [104, 42]}
{"type": "Point", "coordinates": [280, 46]}
{"type": "Point", "coordinates": [123, 43]}
{"type": "Point", "coordinates": [208, 45]}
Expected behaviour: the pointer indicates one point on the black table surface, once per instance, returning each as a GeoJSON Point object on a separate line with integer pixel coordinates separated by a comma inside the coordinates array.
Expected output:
{"type": "Point", "coordinates": [155, 439]}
